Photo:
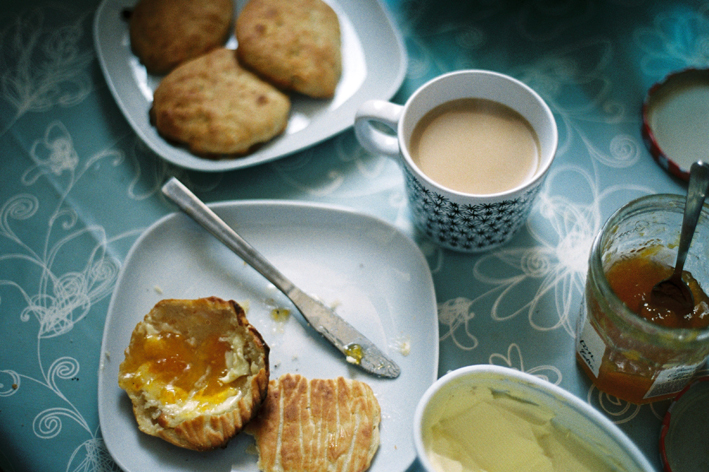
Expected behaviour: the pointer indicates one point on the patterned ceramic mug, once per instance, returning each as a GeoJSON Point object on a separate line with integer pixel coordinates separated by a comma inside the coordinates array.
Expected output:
{"type": "Point", "coordinates": [461, 221]}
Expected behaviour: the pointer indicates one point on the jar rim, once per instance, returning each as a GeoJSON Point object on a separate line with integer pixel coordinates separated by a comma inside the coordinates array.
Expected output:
{"type": "Point", "coordinates": [670, 202]}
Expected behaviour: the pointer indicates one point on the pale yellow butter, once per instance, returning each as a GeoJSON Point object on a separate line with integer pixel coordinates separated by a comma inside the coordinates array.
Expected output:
{"type": "Point", "coordinates": [485, 432]}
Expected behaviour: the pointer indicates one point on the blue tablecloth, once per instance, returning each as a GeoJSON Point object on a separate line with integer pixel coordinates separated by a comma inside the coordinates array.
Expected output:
{"type": "Point", "coordinates": [78, 187]}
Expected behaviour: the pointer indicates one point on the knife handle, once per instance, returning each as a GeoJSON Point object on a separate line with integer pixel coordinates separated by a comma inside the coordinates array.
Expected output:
{"type": "Point", "coordinates": [202, 214]}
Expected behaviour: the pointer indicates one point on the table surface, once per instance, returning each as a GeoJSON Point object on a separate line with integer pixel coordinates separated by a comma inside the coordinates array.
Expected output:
{"type": "Point", "coordinates": [79, 187]}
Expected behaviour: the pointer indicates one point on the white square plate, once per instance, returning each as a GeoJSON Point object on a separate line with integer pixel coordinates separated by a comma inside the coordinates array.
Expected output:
{"type": "Point", "coordinates": [373, 67]}
{"type": "Point", "coordinates": [375, 276]}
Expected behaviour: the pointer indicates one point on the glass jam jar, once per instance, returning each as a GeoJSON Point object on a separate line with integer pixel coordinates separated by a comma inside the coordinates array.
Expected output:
{"type": "Point", "coordinates": [624, 354]}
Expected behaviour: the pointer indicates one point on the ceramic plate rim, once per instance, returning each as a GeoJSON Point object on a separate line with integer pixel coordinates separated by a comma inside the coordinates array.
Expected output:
{"type": "Point", "coordinates": [383, 44]}
{"type": "Point", "coordinates": [314, 214]}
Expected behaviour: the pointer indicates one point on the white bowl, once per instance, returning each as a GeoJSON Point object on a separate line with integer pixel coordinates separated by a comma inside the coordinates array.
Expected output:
{"type": "Point", "coordinates": [595, 430]}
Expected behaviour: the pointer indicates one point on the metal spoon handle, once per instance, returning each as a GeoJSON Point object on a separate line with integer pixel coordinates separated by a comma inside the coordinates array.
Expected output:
{"type": "Point", "coordinates": [696, 193]}
{"type": "Point", "coordinates": [202, 214]}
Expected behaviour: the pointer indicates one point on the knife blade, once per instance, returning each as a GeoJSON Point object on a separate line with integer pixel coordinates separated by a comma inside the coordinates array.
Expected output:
{"type": "Point", "coordinates": [358, 350]}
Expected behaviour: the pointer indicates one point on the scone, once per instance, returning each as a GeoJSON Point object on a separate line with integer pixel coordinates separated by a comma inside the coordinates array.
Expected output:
{"type": "Point", "coordinates": [166, 33]}
{"type": "Point", "coordinates": [217, 108]}
{"type": "Point", "coordinates": [196, 371]}
{"type": "Point", "coordinates": [308, 425]}
{"type": "Point", "coordinates": [294, 44]}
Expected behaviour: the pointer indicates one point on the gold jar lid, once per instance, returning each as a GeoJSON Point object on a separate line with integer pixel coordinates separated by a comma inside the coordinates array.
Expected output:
{"type": "Point", "coordinates": [684, 437]}
{"type": "Point", "coordinates": [675, 124]}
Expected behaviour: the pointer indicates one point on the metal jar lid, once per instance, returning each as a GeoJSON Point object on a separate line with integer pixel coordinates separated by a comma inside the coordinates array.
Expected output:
{"type": "Point", "coordinates": [684, 436]}
{"type": "Point", "coordinates": [675, 124]}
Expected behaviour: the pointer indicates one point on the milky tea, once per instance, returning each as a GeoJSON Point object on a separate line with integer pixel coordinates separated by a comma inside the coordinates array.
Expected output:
{"type": "Point", "coordinates": [475, 146]}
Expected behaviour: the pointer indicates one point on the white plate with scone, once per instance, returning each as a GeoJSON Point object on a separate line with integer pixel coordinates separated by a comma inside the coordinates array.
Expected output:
{"type": "Point", "coordinates": [373, 67]}
{"type": "Point", "coordinates": [375, 277]}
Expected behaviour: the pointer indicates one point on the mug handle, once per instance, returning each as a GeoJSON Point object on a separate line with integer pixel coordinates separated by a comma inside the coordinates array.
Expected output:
{"type": "Point", "coordinates": [375, 140]}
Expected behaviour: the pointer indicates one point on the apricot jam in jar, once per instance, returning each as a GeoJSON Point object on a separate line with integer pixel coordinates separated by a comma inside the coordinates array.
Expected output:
{"type": "Point", "coordinates": [630, 352]}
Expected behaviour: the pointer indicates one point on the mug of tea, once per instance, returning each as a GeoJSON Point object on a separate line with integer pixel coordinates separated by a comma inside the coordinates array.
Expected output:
{"type": "Point", "coordinates": [475, 147]}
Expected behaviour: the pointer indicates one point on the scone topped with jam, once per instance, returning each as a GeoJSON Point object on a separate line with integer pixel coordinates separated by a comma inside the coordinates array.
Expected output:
{"type": "Point", "coordinates": [196, 372]}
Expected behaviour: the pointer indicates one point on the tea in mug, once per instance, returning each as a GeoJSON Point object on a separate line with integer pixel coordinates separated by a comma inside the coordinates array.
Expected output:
{"type": "Point", "coordinates": [475, 146]}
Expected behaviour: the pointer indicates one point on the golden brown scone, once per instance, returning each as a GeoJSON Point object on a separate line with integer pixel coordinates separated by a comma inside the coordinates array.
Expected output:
{"type": "Point", "coordinates": [217, 108]}
{"type": "Point", "coordinates": [294, 44]}
{"type": "Point", "coordinates": [196, 372]}
{"type": "Point", "coordinates": [308, 425]}
{"type": "Point", "coordinates": [166, 33]}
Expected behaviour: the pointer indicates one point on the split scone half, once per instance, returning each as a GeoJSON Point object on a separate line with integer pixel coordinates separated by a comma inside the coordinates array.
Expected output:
{"type": "Point", "coordinates": [316, 425]}
{"type": "Point", "coordinates": [196, 372]}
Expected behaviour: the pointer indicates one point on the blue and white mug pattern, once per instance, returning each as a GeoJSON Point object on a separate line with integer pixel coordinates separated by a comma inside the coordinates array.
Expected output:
{"type": "Point", "coordinates": [467, 227]}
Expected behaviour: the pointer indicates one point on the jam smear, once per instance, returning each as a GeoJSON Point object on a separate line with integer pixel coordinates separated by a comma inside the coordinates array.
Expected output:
{"type": "Point", "coordinates": [178, 368]}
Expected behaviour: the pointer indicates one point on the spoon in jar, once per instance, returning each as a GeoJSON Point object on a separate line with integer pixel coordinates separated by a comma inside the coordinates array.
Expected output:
{"type": "Point", "coordinates": [673, 294]}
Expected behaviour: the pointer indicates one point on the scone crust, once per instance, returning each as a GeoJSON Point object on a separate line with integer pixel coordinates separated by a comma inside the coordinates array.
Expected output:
{"type": "Point", "coordinates": [294, 44]}
{"type": "Point", "coordinates": [166, 33]}
{"type": "Point", "coordinates": [195, 318]}
{"type": "Point", "coordinates": [217, 108]}
{"type": "Point", "coordinates": [319, 424]}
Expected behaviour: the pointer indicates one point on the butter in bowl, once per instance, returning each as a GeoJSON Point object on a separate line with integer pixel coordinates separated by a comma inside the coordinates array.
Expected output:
{"type": "Point", "coordinates": [499, 419]}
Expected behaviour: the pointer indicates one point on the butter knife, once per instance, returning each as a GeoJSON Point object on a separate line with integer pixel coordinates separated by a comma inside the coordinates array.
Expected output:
{"type": "Point", "coordinates": [355, 346]}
